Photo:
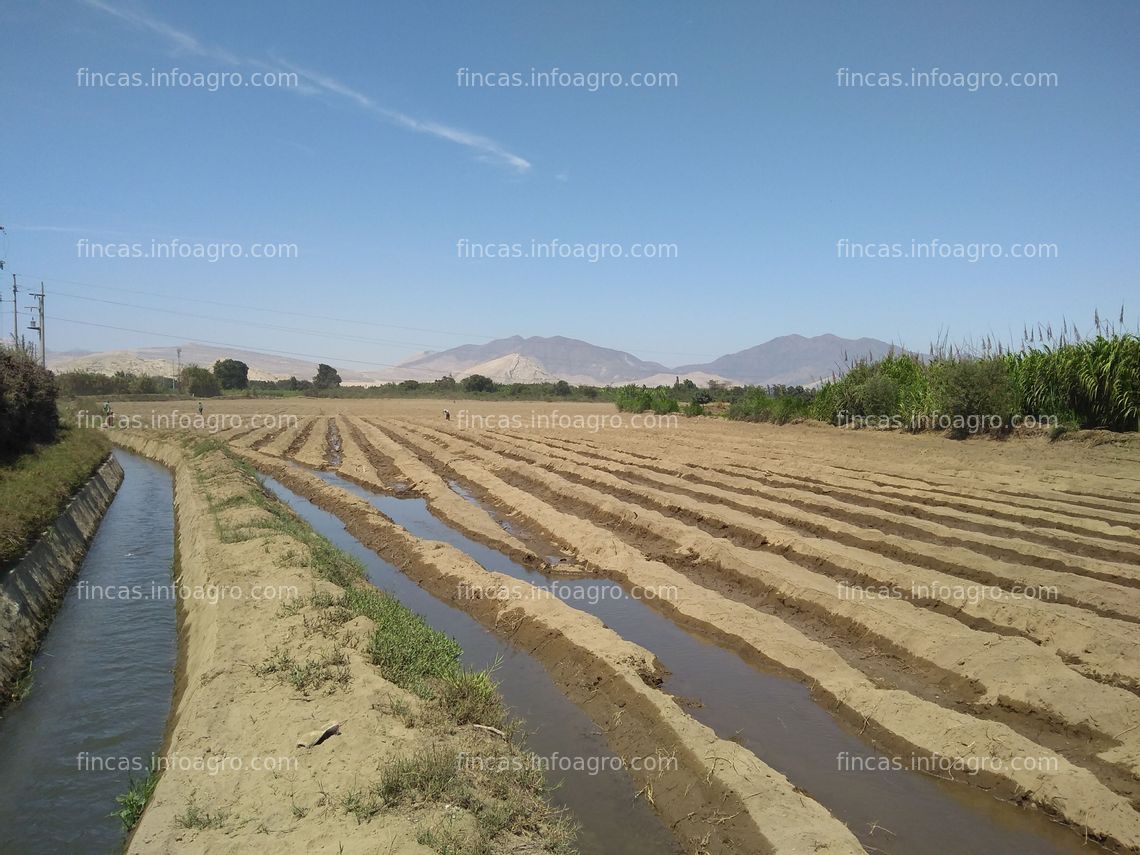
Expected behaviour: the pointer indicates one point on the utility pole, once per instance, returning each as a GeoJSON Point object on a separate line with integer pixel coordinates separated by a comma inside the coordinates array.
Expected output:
{"type": "Point", "coordinates": [43, 332]}
{"type": "Point", "coordinates": [40, 326]}
{"type": "Point", "coordinates": [15, 315]}
{"type": "Point", "coordinates": [179, 374]}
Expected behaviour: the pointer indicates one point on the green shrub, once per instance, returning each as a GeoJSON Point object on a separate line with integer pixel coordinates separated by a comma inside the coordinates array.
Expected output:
{"type": "Point", "coordinates": [633, 399]}
{"type": "Point", "coordinates": [232, 374]}
{"type": "Point", "coordinates": [199, 382]}
{"type": "Point", "coordinates": [28, 412]}
{"type": "Point", "coordinates": [479, 383]}
{"type": "Point", "coordinates": [971, 388]}
{"type": "Point", "coordinates": [825, 405]}
{"type": "Point", "coordinates": [786, 408]}
{"type": "Point", "coordinates": [73, 383]}
{"type": "Point", "coordinates": [662, 402]}
{"type": "Point", "coordinates": [326, 377]}
{"type": "Point", "coordinates": [779, 404]}
{"type": "Point", "coordinates": [879, 396]}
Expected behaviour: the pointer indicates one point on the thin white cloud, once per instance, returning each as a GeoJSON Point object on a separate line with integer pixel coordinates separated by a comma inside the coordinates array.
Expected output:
{"type": "Point", "coordinates": [487, 148]}
{"type": "Point", "coordinates": [180, 40]}
{"type": "Point", "coordinates": [78, 230]}
{"type": "Point", "coordinates": [316, 83]}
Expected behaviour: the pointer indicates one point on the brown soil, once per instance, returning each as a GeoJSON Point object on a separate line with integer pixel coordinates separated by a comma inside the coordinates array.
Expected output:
{"type": "Point", "coordinates": [761, 529]}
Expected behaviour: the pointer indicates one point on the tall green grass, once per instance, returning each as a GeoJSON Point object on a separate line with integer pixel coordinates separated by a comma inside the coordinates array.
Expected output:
{"type": "Point", "coordinates": [639, 399]}
{"type": "Point", "coordinates": [1059, 376]}
{"type": "Point", "coordinates": [774, 404]}
{"type": "Point", "coordinates": [1095, 382]}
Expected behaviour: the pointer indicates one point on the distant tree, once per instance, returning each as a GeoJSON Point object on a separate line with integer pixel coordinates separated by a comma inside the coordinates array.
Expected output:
{"type": "Point", "coordinates": [478, 383]}
{"type": "Point", "coordinates": [326, 377]}
{"type": "Point", "coordinates": [562, 388]}
{"type": "Point", "coordinates": [409, 385]}
{"type": "Point", "coordinates": [199, 382]}
{"type": "Point", "coordinates": [232, 374]}
{"type": "Point", "coordinates": [294, 385]}
{"type": "Point", "coordinates": [147, 385]}
{"type": "Point", "coordinates": [588, 391]}
{"type": "Point", "coordinates": [446, 382]}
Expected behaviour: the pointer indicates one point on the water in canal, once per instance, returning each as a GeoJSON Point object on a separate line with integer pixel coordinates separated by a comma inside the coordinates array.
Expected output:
{"type": "Point", "coordinates": [102, 682]}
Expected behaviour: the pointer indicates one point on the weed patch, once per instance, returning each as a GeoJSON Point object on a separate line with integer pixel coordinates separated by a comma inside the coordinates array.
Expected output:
{"type": "Point", "coordinates": [133, 802]}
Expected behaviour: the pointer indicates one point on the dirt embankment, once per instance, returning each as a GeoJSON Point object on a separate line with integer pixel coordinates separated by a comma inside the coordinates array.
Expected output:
{"type": "Point", "coordinates": [271, 655]}
{"type": "Point", "coordinates": [719, 798]}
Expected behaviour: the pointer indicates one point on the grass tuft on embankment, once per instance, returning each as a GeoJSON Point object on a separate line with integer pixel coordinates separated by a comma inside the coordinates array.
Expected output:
{"type": "Point", "coordinates": [36, 486]}
{"type": "Point", "coordinates": [500, 805]}
{"type": "Point", "coordinates": [133, 802]}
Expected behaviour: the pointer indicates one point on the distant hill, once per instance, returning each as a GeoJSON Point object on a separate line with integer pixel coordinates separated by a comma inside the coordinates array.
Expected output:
{"type": "Point", "coordinates": [524, 360]}
{"type": "Point", "coordinates": [793, 360]}
{"type": "Point", "coordinates": [161, 361]}
{"type": "Point", "coordinates": [790, 359]}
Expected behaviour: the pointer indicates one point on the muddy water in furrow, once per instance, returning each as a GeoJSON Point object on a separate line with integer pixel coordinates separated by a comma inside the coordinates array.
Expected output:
{"type": "Point", "coordinates": [890, 809]}
{"type": "Point", "coordinates": [611, 817]}
{"type": "Point", "coordinates": [102, 682]}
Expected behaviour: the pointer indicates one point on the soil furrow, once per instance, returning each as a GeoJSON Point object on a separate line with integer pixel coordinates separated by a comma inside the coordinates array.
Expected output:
{"type": "Point", "coordinates": [837, 502]}
{"type": "Point", "coordinates": [888, 714]}
{"type": "Point", "coordinates": [787, 443]}
{"type": "Point", "coordinates": [284, 438]}
{"type": "Point", "coordinates": [1104, 646]}
{"type": "Point", "coordinates": [716, 784]}
{"type": "Point", "coordinates": [301, 438]}
{"type": "Point", "coordinates": [928, 491]}
{"type": "Point", "coordinates": [997, 664]}
{"type": "Point", "coordinates": [1105, 598]}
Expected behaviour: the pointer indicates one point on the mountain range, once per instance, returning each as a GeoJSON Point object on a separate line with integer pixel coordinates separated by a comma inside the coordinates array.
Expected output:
{"type": "Point", "coordinates": [789, 359]}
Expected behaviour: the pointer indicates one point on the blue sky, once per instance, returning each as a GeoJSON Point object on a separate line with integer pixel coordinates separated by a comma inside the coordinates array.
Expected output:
{"type": "Point", "coordinates": [753, 166]}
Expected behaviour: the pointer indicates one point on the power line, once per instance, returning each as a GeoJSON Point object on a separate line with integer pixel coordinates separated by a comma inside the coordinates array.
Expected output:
{"type": "Point", "coordinates": [256, 308]}
{"type": "Point", "coordinates": [242, 321]}
{"type": "Point", "coordinates": [313, 316]}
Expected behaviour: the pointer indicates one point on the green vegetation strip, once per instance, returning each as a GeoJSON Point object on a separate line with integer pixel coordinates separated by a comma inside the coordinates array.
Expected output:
{"type": "Point", "coordinates": [1094, 383]}
{"type": "Point", "coordinates": [1056, 382]}
{"type": "Point", "coordinates": [36, 486]}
